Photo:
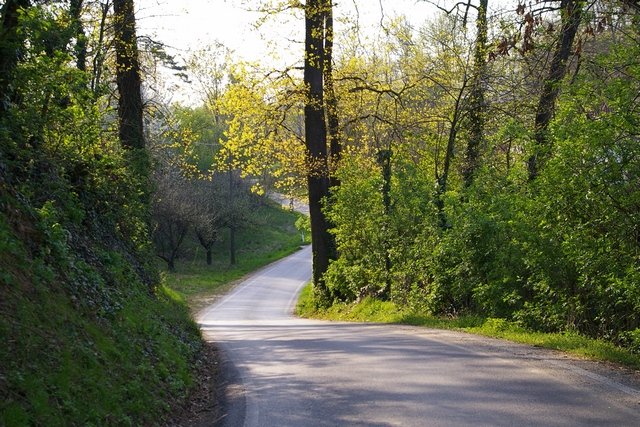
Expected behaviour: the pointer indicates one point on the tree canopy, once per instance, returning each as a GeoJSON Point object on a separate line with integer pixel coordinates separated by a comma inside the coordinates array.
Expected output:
{"type": "Point", "coordinates": [485, 162]}
{"type": "Point", "coordinates": [488, 159]}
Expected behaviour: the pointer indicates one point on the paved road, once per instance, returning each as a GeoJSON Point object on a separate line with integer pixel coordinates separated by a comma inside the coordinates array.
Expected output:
{"type": "Point", "coordinates": [287, 371]}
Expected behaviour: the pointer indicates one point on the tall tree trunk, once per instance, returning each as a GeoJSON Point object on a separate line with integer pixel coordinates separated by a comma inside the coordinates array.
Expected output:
{"type": "Point", "coordinates": [383, 156]}
{"type": "Point", "coordinates": [571, 16]}
{"type": "Point", "coordinates": [11, 46]}
{"type": "Point", "coordinates": [128, 76]}
{"type": "Point", "coordinates": [477, 107]}
{"type": "Point", "coordinates": [232, 225]}
{"type": "Point", "coordinates": [75, 10]}
{"type": "Point", "coordinates": [322, 245]}
{"type": "Point", "coordinates": [99, 56]}
{"type": "Point", "coordinates": [442, 175]}
{"type": "Point", "coordinates": [335, 147]}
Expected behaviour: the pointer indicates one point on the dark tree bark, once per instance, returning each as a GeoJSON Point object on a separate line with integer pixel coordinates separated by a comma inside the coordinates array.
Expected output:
{"type": "Point", "coordinates": [99, 56]}
{"type": "Point", "coordinates": [571, 16]}
{"type": "Point", "coordinates": [333, 124]}
{"type": "Point", "coordinates": [11, 48]}
{"type": "Point", "coordinates": [232, 222]}
{"type": "Point", "coordinates": [169, 237]}
{"type": "Point", "coordinates": [442, 175]}
{"type": "Point", "coordinates": [128, 76]}
{"type": "Point", "coordinates": [383, 156]}
{"type": "Point", "coordinates": [75, 10]}
{"type": "Point", "coordinates": [477, 106]}
{"type": "Point", "coordinates": [323, 246]}
{"type": "Point", "coordinates": [207, 241]}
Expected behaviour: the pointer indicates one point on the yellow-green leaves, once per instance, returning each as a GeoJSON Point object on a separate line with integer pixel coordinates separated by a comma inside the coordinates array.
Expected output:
{"type": "Point", "coordinates": [265, 131]}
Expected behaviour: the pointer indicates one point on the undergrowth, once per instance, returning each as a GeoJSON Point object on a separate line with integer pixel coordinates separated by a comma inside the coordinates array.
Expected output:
{"type": "Point", "coordinates": [89, 336]}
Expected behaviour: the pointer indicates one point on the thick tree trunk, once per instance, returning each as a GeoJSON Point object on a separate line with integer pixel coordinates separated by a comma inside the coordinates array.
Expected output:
{"type": "Point", "coordinates": [335, 147]}
{"type": "Point", "coordinates": [571, 15]}
{"type": "Point", "coordinates": [75, 10]}
{"type": "Point", "coordinates": [322, 244]}
{"type": "Point", "coordinates": [11, 47]}
{"type": "Point", "coordinates": [477, 105]}
{"type": "Point", "coordinates": [128, 76]}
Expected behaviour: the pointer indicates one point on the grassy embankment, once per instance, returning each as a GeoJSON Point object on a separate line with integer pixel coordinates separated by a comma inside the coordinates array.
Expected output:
{"type": "Point", "coordinates": [84, 339]}
{"type": "Point", "coordinates": [85, 342]}
{"type": "Point", "coordinates": [370, 310]}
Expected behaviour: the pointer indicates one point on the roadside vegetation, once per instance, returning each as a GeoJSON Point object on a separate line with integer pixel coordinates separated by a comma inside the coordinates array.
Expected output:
{"type": "Point", "coordinates": [101, 191]}
{"type": "Point", "coordinates": [89, 335]}
{"type": "Point", "coordinates": [484, 164]}
{"type": "Point", "coordinates": [274, 236]}
{"type": "Point", "coordinates": [377, 311]}
{"type": "Point", "coordinates": [479, 172]}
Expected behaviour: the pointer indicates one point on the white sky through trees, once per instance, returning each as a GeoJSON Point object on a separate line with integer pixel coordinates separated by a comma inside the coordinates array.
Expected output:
{"type": "Point", "coordinates": [187, 25]}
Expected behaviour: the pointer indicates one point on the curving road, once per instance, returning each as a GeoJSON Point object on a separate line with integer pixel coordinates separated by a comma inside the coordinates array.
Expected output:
{"type": "Point", "coordinates": [286, 371]}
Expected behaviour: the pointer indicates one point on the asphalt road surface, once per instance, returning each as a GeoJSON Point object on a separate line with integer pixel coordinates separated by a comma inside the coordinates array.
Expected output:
{"type": "Point", "coordinates": [286, 371]}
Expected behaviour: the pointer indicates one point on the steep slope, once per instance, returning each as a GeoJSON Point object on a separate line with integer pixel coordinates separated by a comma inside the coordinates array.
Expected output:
{"type": "Point", "coordinates": [89, 335]}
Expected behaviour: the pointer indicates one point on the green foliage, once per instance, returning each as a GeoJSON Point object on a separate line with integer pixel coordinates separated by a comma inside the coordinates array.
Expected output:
{"type": "Point", "coordinates": [201, 127]}
{"type": "Point", "coordinates": [276, 238]}
{"type": "Point", "coordinates": [631, 340]}
{"type": "Point", "coordinates": [375, 241]}
{"type": "Point", "coordinates": [84, 337]}
{"type": "Point", "coordinates": [89, 336]}
{"type": "Point", "coordinates": [592, 183]}
{"type": "Point", "coordinates": [65, 365]}
{"type": "Point", "coordinates": [306, 306]}
{"type": "Point", "coordinates": [356, 209]}
{"type": "Point", "coordinates": [303, 223]}
{"type": "Point", "coordinates": [558, 253]}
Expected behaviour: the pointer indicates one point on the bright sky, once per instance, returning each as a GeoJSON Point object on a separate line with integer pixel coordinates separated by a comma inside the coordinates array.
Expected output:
{"type": "Point", "coordinates": [184, 24]}
{"type": "Point", "coordinates": [189, 24]}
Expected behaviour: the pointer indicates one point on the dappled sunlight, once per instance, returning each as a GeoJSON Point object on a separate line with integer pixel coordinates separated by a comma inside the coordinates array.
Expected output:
{"type": "Point", "coordinates": [372, 375]}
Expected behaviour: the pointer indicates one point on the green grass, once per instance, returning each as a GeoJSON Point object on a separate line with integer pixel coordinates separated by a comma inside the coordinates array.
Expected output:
{"type": "Point", "coordinates": [88, 344]}
{"type": "Point", "coordinates": [65, 366]}
{"type": "Point", "coordinates": [273, 238]}
{"type": "Point", "coordinates": [371, 310]}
